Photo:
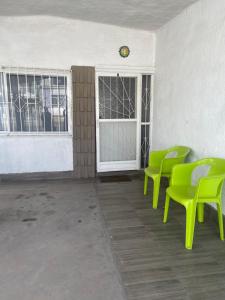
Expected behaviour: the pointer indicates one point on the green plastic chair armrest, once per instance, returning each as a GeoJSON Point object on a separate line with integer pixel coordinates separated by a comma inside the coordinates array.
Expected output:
{"type": "Point", "coordinates": [156, 157]}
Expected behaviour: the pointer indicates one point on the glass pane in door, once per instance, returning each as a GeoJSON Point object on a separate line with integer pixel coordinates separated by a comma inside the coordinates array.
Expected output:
{"type": "Point", "coordinates": [117, 141]}
{"type": "Point", "coordinates": [117, 97]}
{"type": "Point", "coordinates": [117, 119]}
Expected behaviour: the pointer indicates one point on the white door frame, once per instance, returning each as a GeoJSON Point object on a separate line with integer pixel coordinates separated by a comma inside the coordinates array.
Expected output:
{"type": "Point", "coordinates": [126, 72]}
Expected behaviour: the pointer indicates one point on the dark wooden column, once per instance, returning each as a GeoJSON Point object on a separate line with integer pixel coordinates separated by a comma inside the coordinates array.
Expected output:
{"type": "Point", "coordinates": [84, 144]}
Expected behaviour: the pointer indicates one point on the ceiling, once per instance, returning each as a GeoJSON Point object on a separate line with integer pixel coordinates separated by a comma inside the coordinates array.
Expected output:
{"type": "Point", "coordinates": [140, 14]}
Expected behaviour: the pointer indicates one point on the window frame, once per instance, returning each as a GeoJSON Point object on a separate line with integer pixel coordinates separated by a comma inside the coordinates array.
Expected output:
{"type": "Point", "coordinates": [39, 72]}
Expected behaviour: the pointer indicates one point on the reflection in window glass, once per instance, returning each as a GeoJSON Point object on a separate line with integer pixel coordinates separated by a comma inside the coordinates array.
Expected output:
{"type": "Point", "coordinates": [37, 103]}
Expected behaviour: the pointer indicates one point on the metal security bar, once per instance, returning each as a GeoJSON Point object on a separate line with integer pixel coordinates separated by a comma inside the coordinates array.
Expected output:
{"type": "Point", "coordinates": [3, 106]}
{"type": "Point", "coordinates": [117, 97]}
{"type": "Point", "coordinates": [145, 119]}
{"type": "Point", "coordinates": [33, 103]}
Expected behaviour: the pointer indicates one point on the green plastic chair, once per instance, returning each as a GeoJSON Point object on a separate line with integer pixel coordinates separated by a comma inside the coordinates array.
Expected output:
{"type": "Point", "coordinates": [160, 164]}
{"type": "Point", "coordinates": [207, 190]}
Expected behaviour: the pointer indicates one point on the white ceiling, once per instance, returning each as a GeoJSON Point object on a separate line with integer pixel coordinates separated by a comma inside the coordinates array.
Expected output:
{"type": "Point", "coordinates": [140, 14]}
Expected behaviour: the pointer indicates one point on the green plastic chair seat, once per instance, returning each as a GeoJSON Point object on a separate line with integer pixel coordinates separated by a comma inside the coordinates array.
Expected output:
{"type": "Point", "coordinates": [208, 189]}
{"type": "Point", "coordinates": [182, 194]}
{"type": "Point", "coordinates": [160, 165]}
{"type": "Point", "coordinates": [151, 171]}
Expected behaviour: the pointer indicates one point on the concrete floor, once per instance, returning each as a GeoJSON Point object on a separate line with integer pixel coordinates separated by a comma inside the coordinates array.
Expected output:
{"type": "Point", "coordinates": [53, 243]}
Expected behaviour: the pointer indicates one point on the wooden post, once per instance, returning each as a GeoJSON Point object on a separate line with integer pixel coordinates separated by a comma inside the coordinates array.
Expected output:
{"type": "Point", "coordinates": [84, 129]}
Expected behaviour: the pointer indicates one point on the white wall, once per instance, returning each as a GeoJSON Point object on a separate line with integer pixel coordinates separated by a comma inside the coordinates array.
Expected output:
{"type": "Point", "coordinates": [35, 154]}
{"type": "Point", "coordinates": [189, 104]}
{"type": "Point", "coordinates": [57, 43]}
{"type": "Point", "coordinates": [52, 42]}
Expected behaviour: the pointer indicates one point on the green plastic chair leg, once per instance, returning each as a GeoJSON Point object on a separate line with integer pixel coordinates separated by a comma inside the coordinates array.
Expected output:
{"type": "Point", "coordinates": [190, 225]}
{"type": "Point", "coordinates": [156, 181]}
{"type": "Point", "coordinates": [200, 209]}
{"type": "Point", "coordinates": [220, 219]}
{"type": "Point", "coordinates": [146, 185]}
{"type": "Point", "coordinates": [166, 209]}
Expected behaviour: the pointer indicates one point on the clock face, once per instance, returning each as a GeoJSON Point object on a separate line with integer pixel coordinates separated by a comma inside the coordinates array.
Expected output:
{"type": "Point", "coordinates": [124, 51]}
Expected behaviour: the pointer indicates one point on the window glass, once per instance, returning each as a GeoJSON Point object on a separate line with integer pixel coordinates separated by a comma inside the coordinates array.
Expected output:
{"type": "Point", "coordinates": [117, 97]}
{"type": "Point", "coordinates": [36, 103]}
{"type": "Point", "coordinates": [3, 106]}
{"type": "Point", "coordinates": [145, 119]}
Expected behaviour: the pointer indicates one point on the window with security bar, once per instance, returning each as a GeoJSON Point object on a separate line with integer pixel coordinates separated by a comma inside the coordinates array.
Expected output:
{"type": "Point", "coordinates": [33, 103]}
{"type": "Point", "coordinates": [145, 119]}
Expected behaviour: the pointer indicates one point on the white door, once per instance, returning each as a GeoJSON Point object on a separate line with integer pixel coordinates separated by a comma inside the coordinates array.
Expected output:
{"type": "Point", "coordinates": [118, 100]}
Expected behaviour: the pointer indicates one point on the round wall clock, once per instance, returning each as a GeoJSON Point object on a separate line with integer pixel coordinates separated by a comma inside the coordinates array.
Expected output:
{"type": "Point", "coordinates": [124, 51]}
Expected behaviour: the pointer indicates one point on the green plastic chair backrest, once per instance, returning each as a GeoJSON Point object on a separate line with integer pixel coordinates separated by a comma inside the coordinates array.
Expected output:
{"type": "Point", "coordinates": [157, 157]}
{"type": "Point", "coordinates": [210, 185]}
{"type": "Point", "coordinates": [180, 150]}
{"type": "Point", "coordinates": [216, 165]}
{"type": "Point", "coordinates": [179, 155]}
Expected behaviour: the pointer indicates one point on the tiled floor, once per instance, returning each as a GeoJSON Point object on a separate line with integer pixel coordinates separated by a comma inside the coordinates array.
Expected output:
{"type": "Point", "coordinates": [150, 255]}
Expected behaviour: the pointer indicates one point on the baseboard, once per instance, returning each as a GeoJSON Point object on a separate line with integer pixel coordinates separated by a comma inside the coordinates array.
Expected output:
{"type": "Point", "coordinates": [60, 175]}
{"type": "Point", "coordinates": [129, 173]}
{"type": "Point", "coordinates": [36, 176]}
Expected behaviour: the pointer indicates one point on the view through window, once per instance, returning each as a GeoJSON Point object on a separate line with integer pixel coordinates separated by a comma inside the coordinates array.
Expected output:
{"type": "Point", "coordinates": [33, 103]}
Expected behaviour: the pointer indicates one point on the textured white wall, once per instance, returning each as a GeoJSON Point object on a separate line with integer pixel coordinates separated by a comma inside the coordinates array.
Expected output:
{"type": "Point", "coordinates": [189, 104]}
{"type": "Point", "coordinates": [51, 42]}
{"type": "Point", "coordinates": [35, 154]}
